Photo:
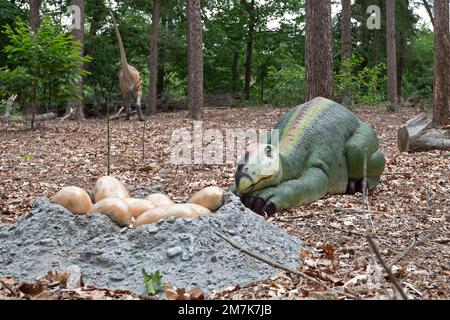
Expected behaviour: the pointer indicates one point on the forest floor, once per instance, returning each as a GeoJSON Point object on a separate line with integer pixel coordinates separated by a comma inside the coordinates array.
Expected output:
{"type": "Point", "coordinates": [410, 204]}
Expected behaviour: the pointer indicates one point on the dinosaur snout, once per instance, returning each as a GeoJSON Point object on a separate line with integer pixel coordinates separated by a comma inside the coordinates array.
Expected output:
{"type": "Point", "coordinates": [243, 182]}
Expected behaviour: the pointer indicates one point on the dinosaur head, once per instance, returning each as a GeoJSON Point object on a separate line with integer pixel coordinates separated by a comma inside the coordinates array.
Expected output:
{"type": "Point", "coordinates": [259, 170]}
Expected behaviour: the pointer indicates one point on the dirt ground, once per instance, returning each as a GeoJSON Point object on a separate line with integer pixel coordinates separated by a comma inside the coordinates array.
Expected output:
{"type": "Point", "coordinates": [410, 204]}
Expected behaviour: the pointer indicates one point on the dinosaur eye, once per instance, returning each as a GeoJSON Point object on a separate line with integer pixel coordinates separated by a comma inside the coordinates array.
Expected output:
{"type": "Point", "coordinates": [269, 151]}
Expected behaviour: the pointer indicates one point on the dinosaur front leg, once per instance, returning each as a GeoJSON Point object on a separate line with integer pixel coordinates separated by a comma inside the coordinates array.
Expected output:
{"type": "Point", "coordinates": [311, 186]}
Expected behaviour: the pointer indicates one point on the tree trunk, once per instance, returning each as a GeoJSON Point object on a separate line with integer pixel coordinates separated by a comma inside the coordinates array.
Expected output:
{"type": "Point", "coordinates": [250, 8]}
{"type": "Point", "coordinates": [78, 35]}
{"type": "Point", "coordinates": [195, 60]}
{"type": "Point", "coordinates": [153, 90]}
{"type": "Point", "coordinates": [235, 74]}
{"type": "Point", "coordinates": [416, 135]}
{"type": "Point", "coordinates": [401, 62]}
{"type": "Point", "coordinates": [441, 110]}
{"type": "Point", "coordinates": [346, 45]}
{"type": "Point", "coordinates": [318, 50]}
{"type": "Point", "coordinates": [346, 25]}
{"type": "Point", "coordinates": [35, 7]}
{"type": "Point", "coordinates": [391, 56]}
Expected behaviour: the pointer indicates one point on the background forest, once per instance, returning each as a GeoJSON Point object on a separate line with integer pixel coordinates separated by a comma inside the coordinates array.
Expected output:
{"type": "Point", "coordinates": [264, 39]}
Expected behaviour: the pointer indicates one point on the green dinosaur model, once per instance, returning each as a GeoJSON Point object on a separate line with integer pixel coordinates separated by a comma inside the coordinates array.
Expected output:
{"type": "Point", "coordinates": [322, 149]}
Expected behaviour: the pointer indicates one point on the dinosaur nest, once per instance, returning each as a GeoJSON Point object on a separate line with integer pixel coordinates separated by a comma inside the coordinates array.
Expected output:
{"type": "Point", "coordinates": [187, 252]}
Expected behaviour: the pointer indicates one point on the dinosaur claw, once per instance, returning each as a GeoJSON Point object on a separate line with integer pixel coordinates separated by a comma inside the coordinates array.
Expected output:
{"type": "Point", "coordinates": [270, 208]}
{"type": "Point", "coordinates": [258, 206]}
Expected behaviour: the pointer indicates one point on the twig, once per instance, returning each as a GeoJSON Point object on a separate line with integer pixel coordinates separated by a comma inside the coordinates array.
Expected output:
{"type": "Point", "coordinates": [357, 210]}
{"type": "Point", "coordinates": [143, 142]}
{"type": "Point", "coordinates": [427, 196]}
{"type": "Point", "coordinates": [441, 241]}
{"type": "Point", "coordinates": [368, 217]}
{"type": "Point", "coordinates": [8, 288]}
{"type": "Point", "coordinates": [279, 266]}
{"type": "Point", "coordinates": [375, 250]}
{"type": "Point", "coordinates": [412, 288]}
{"type": "Point", "coordinates": [72, 110]}
{"type": "Point", "coordinates": [365, 184]}
{"type": "Point", "coordinates": [119, 116]}
{"type": "Point", "coordinates": [408, 250]}
{"type": "Point", "coordinates": [118, 112]}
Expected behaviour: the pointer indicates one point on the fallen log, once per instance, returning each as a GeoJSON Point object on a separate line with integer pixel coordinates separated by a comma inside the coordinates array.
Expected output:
{"type": "Point", "coordinates": [37, 118]}
{"type": "Point", "coordinates": [123, 115]}
{"type": "Point", "coordinates": [417, 134]}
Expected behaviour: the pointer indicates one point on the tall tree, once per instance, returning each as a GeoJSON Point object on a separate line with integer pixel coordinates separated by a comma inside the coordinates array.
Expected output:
{"type": "Point", "coordinates": [78, 35]}
{"type": "Point", "coordinates": [318, 50]}
{"type": "Point", "coordinates": [391, 55]}
{"type": "Point", "coordinates": [195, 60]}
{"type": "Point", "coordinates": [346, 26]}
{"type": "Point", "coordinates": [251, 24]}
{"type": "Point", "coordinates": [152, 94]}
{"type": "Point", "coordinates": [441, 114]}
{"type": "Point", "coordinates": [35, 7]}
{"type": "Point", "coordinates": [346, 41]}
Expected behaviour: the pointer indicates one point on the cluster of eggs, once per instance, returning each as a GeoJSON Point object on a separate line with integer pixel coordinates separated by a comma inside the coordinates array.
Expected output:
{"type": "Point", "coordinates": [112, 199]}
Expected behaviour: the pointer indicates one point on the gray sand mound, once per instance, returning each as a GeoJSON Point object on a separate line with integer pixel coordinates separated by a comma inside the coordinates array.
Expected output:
{"type": "Point", "coordinates": [187, 252]}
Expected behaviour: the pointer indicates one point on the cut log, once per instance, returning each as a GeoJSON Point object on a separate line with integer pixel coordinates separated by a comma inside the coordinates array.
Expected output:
{"type": "Point", "coordinates": [418, 135]}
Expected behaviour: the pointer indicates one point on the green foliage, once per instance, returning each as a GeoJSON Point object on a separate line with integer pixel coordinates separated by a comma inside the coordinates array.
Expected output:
{"type": "Point", "coordinates": [286, 83]}
{"type": "Point", "coordinates": [419, 71]}
{"type": "Point", "coordinates": [44, 67]}
{"type": "Point", "coordinates": [364, 85]}
{"type": "Point", "coordinates": [153, 282]}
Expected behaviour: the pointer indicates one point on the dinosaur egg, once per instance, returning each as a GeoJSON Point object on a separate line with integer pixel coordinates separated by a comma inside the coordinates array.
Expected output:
{"type": "Point", "coordinates": [138, 206]}
{"type": "Point", "coordinates": [202, 211]}
{"type": "Point", "coordinates": [74, 199]}
{"type": "Point", "coordinates": [159, 200]}
{"type": "Point", "coordinates": [109, 187]}
{"type": "Point", "coordinates": [209, 197]}
{"type": "Point", "coordinates": [116, 209]}
{"type": "Point", "coordinates": [166, 212]}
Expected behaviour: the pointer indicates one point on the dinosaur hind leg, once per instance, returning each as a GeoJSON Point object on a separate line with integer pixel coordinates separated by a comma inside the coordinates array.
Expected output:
{"type": "Point", "coordinates": [139, 108]}
{"type": "Point", "coordinates": [127, 99]}
{"type": "Point", "coordinates": [363, 144]}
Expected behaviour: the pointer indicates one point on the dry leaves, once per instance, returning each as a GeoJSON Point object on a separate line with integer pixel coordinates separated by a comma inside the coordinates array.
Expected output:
{"type": "Point", "coordinates": [411, 200]}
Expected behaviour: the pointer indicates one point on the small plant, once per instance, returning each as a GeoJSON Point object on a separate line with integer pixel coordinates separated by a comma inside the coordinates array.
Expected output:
{"type": "Point", "coordinates": [43, 67]}
{"type": "Point", "coordinates": [153, 282]}
{"type": "Point", "coordinates": [363, 85]}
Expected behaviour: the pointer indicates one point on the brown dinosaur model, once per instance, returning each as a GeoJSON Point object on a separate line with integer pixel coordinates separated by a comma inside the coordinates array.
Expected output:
{"type": "Point", "coordinates": [129, 78]}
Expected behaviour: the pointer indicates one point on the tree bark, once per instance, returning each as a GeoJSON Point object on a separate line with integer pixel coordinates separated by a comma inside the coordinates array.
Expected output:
{"type": "Point", "coordinates": [195, 60]}
{"type": "Point", "coordinates": [35, 7]}
{"type": "Point", "coordinates": [250, 8]}
{"type": "Point", "coordinates": [78, 35]}
{"type": "Point", "coordinates": [153, 90]}
{"type": "Point", "coordinates": [346, 25]}
{"type": "Point", "coordinates": [318, 50]}
{"type": "Point", "coordinates": [391, 55]}
{"type": "Point", "coordinates": [441, 110]}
